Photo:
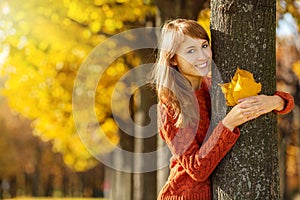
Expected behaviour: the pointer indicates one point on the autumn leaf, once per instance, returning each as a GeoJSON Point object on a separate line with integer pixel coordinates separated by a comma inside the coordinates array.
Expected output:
{"type": "Point", "coordinates": [241, 86]}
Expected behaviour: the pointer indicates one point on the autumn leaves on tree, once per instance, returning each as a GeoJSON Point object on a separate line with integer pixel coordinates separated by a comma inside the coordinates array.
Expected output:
{"type": "Point", "coordinates": [46, 45]}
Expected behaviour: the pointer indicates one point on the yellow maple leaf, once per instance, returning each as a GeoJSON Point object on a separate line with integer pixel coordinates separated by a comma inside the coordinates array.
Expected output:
{"type": "Point", "coordinates": [241, 86]}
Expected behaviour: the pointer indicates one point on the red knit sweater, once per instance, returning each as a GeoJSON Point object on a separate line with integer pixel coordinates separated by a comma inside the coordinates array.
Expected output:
{"type": "Point", "coordinates": [194, 161]}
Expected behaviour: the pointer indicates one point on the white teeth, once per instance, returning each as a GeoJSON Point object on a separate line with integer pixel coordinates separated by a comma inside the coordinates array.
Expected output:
{"type": "Point", "coordinates": [201, 65]}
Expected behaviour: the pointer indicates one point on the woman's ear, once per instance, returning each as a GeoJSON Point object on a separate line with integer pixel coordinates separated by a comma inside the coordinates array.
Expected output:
{"type": "Point", "coordinates": [173, 62]}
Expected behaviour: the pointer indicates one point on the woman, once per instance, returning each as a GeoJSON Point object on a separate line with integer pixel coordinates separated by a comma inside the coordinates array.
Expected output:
{"type": "Point", "coordinates": [184, 110]}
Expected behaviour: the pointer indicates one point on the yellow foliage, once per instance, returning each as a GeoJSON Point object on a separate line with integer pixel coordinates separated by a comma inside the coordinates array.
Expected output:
{"type": "Point", "coordinates": [204, 20]}
{"type": "Point", "coordinates": [296, 68]}
{"type": "Point", "coordinates": [292, 152]}
{"type": "Point", "coordinates": [47, 42]}
{"type": "Point", "coordinates": [241, 86]}
{"type": "Point", "coordinates": [109, 128]}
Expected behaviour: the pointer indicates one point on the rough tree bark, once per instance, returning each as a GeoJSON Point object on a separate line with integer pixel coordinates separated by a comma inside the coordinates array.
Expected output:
{"type": "Point", "coordinates": [243, 35]}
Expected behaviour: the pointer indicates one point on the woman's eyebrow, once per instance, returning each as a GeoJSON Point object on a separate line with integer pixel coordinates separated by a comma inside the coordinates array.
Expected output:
{"type": "Point", "coordinates": [190, 47]}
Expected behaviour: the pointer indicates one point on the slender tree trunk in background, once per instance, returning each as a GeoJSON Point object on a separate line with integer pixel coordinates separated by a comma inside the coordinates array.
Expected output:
{"type": "Point", "coordinates": [49, 186]}
{"type": "Point", "coordinates": [32, 185]}
{"type": "Point", "coordinates": [98, 183]}
{"type": "Point", "coordinates": [189, 9]}
{"type": "Point", "coordinates": [144, 183]}
{"type": "Point", "coordinates": [13, 186]}
{"type": "Point", "coordinates": [243, 35]}
{"type": "Point", "coordinates": [121, 183]}
{"type": "Point", "coordinates": [65, 182]}
{"type": "Point", "coordinates": [282, 165]}
{"type": "Point", "coordinates": [1, 190]}
{"type": "Point", "coordinates": [144, 187]}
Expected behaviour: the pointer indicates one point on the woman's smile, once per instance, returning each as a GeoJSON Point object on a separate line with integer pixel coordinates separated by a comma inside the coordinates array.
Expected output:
{"type": "Point", "coordinates": [201, 66]}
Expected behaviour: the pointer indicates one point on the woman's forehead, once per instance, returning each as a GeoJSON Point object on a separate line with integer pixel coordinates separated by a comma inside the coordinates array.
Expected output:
{"type": "Point", "coordinates": [190, 40]}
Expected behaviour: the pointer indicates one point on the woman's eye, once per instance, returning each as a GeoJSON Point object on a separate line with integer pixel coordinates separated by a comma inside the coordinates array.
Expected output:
{"type": "Point", "coordinates": [204, 45]}
{"type": "Point", "coordinates": [191, 51]}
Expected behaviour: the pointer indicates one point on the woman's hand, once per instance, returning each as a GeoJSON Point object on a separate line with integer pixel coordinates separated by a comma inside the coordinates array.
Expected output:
{"type": "Point", "coordinates": [250, 108]}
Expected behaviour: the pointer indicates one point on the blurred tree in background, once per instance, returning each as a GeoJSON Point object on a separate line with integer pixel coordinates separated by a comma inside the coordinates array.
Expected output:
{"type": "Point", "coordinates": [288, 68]}
{"type": "Point", "coordinates": [47, 41]}
{"type": "Point", "coordinates": [42, 45]}
{"type": "Point", "coordinates": [30, 167]}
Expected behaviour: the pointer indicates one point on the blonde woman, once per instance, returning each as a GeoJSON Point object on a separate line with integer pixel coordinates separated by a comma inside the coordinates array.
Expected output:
{"type": "Point", "coordinates": [184, 111]}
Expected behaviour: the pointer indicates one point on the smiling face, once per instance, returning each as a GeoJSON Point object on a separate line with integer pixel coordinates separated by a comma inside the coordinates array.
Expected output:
{"type": "Point", "coordinates": [193, 58]}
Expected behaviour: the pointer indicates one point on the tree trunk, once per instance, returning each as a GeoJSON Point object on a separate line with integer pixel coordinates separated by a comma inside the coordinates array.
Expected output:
{"type": "Point", "coordinates": [243, 35]}
{"type": "Point", "coordinates": [170, 9]}
{"type": "Point", "coordinates": [121, 183]}
{"type": "Point", "coordinates": [282, 166]}
{"type": "Point", "coordinates": [98, 183]}
{"type": "Point", "coordinates": [144, 183]}
{"type": "Point", "coordinates": [13, 186]}
{"type": "Point", "coordinates": [66, 190]}
{"type": "Point", "coordinates": [1, 190]}
{"type": "Point", "coordinates": [49, 186]}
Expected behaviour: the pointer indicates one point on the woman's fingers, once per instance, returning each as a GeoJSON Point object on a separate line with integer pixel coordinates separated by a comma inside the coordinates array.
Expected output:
{"type": "Point", "coordinates": [261, 102]}
{"type": "Point", "coordinates": [250, 106]}
{"type": "Point", "coordinates": [253, 105]}
{"type": "Point", "coordinates": [251, 99]}
{"type": "Point", "coordinates": [252, 115]}
{"type": "Point", "coordinates": [249, 110]}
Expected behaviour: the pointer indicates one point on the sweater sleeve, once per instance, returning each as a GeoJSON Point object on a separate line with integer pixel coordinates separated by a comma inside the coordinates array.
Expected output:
{"type": "Point", "coordinates": [199, 161]}
{"type": "Point", "coordinates": [288, 102]}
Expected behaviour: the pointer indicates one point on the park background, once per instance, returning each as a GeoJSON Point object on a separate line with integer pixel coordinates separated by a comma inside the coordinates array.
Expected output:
{"type": "Point", "coordinates": [42, 45]}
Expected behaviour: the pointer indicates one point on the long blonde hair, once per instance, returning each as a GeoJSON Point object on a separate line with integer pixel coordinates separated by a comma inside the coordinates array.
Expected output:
{"type": "Point", "coordinates": [171, 86]}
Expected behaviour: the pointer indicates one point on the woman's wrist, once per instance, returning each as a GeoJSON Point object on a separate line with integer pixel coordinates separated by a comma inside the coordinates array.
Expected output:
{"type": "Point", "coordinates": [228, 125]}
{"type": "Point", "coordinates": [279, 103]}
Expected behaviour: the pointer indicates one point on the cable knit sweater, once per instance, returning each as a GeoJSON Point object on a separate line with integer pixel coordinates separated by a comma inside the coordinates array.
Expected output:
{"type": "Point", "coordinates": [193, 161]}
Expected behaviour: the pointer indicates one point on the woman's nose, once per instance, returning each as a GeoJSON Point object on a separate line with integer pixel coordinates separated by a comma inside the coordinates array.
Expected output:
{"type": "Point", "coordinates": [201, 55]}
